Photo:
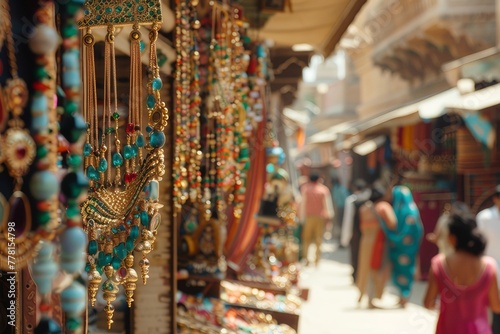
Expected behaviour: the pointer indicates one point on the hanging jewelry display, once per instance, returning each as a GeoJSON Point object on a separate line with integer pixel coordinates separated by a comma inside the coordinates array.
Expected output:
{"type": "Point", "coordinates": [18, 152]}
{"type": "Point", "coordinates": [186, 168]}
{"type": "Point", "coordinates": [121, 213]}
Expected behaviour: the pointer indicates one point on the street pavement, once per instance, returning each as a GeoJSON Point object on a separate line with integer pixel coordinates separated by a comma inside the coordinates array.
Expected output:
{"type": "Point", "coordinates": [332, 306]}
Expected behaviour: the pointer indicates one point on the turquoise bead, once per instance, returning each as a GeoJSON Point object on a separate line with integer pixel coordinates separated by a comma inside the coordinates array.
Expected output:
{"type": "Point", "coordinates": [71, 59]}
{"type": "Point", "coordinates": [92, 248]}
{"type": "Point", "coordinates": [92, 174]}
{"type": "Point", "coordinates": [120, 251]}
{"type": "Point", "coordinates": [87, 267]}
{"type": "Point", "coordinates": [130, 244]}
{"type": "Point", "coordinates": [44, 269]}
{"type": "Point", "coordinates": [87, 149]}
{"type": "Point", "coordinates": [135, 150]}
{"type": "Point", "coordinates": [73, 300]}
{"type": "Point", "coordinates": [149, 128]}
{"type": "Point", "coordinates": [150, 101]}
{"type": "Point", "coordinates": [44, 185]}
{"type": "Point", "coordinates": [144, 218]}
{"type": "Point", "coordinates": [117, 159]}
{"type": "Point", "coordinates": [73, 240]}
{"type": "Point", "coordinates": [107, 258]}
{"type": "Point", "coordinates": [101, 260]}
{"type": "Point", "coordinates": [116, 263]}
{"type": "Point", "coordinates": [128, 152]}
{"type": "Point", "coordinates": [72, 211]}
{"type": "Point", "coordinates": [134, 232]}
{"type": "Point", "coordinates": [71, 78]}
{"type": "Point", "coordinates": [157, 139]}
{"type": "Point", "coordinates": [157, 84]}
{"type": "Point", "coordinates": [142, 46]}
{"type": "Point", "coordinates": [153, 191]}
{"type": "Point", "coordinates": [139, 141]}
{"type": "Point", "coordinates": [103, 165]}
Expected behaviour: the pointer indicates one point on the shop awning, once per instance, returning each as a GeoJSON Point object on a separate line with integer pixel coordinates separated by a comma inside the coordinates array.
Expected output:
{"type": "Point", "coordinates": [369, 145]}
{"type": "Point", "coordinates": [319, 23]}
{"type": "Point", "coordinates": [477, 100]}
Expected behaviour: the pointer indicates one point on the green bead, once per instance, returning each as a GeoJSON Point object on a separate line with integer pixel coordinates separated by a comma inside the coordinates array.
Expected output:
{"type": "Point", "coordinates": [101, 260]}
{"type": "Point", "coordinates": [74, 160]}
{"type": "Point", "coordinates": [116, 263]}
{"type": "Point", "coordinates": [73, 324]}
{"type": "Point", "coordinates": [144, 218]}
{"type": "Point", "coordinates": [116, 115]}
{"type": "Point", "coordinates": [150, 101]}
{"type": "Point", "coordinates": [70, 107]}
{"type": "Point", "coordinates": [117, 160]}
{"type": "Point", "coordinates": [87, 267]}
{"type": "Point", "coordinates": [120, 251]}
{"type": "Point", "coordinates": [130, 244]}
{"type": "Point", "coordinates": [110, 130]}
{"type": "Point", "coordinates": [41, 152]}
{"type": "Point", "coordinates": [43, 217]}
{"type": "Point", "coordinates": [157, 139]}
{"type": "Point", "coordinates": [134, 232]}
{"type": "Point", "coordinates": [41, 73]}
{"type": "Point", "coordinates": [92, 247]}
{"type": "Point", "coordinates": [87, 149]}
{"type": "Point", "coordinates": [107, 258]}
{"type": "Point", "coordinates": [72, 211]}
{"type": "Point", "coordinates": [69, 31]}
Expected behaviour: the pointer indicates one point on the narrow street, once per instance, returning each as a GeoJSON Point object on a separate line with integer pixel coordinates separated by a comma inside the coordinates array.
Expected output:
{"type": "Point", "coordinates": [332, 304]}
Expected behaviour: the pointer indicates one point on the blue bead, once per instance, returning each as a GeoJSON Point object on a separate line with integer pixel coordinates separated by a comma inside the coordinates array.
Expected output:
{"type": "Point", "coordinates": [134, 232]}
{"type": "Point", "coordinates": [87, 149]}
{"type": "Point", "coordinates": [101, 260]}
{"type": "Point", "coordinates": [71, 78]}
{"type": "Point", "coordinates": [149, 128]}
{"type": "Point", "coordinates": [103, 165]}
{"type": "Point", "coordinates": [44, 185]}
{"type": "Point", "coordinates": [142, 46]}
{"type": "Point", "coordinates": [44, 269]}
{"type": "Point", "coordinates": [157, 84]}
{"type": "Point", "coordinates": [117, 159]}
{"type": "Point", "coordinates": [39, 103]}
{"type": "Point", "coordinates": [144, 218]}
{"type": "Point", "coordinates": [150, 101]}
{"type": "Point", "coordinates": [92, 247]}
{"type": "Point", "coordinates": [71, 59]}
{"type": "Point", "coordinates": [139, 141]}
{"type": "Point", "coordinates": [135, 150]}
{"type": "Point", "coordinates": [40, 123]}
{"type": "Point", "coordinates": [128, 152]}
{"type": "Point", "coordinates": [157, 139]}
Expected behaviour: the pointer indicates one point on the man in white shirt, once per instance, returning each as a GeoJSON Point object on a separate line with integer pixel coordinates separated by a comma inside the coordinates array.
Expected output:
{"type": "Point", "coordinates": [488, 222]}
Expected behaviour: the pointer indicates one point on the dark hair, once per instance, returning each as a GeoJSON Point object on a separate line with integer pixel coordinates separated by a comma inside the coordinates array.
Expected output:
{"type": "Point", "coordinates": [314, 177]}
{"type": "Point", "coordinates": [359, 184]}
{"type": "Point", "coordinates": [378, 192]}
{"type": "Point", "coordinates": [469, 239]}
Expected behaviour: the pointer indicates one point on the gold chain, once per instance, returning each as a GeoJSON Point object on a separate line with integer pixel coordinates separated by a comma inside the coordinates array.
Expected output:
{"type": "Point", "coordinates": [11, 53]}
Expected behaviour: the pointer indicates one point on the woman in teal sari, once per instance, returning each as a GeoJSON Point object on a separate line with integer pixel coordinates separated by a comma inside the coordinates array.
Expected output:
{"type": "Point", "coordinates": [404, 241]}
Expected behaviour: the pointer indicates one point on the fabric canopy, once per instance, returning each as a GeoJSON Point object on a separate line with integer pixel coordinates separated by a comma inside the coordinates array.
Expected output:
{"type": "Point", "coordinates": [320, 23]}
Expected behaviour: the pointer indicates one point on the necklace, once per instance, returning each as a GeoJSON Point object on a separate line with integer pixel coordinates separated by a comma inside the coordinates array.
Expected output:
{"type": "Point", "coordinates": [121, 214]}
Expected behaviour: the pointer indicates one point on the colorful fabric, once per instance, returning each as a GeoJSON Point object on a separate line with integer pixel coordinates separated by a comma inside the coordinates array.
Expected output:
{"type": "Point", "coordinates": [404, 241]}
{"type": "Point", "coordinates": [463, 309]}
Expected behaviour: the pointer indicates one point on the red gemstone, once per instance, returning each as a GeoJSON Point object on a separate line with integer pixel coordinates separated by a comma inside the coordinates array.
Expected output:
{"type": "Point", "coordinates": [130, 128]}
{"type": "Point", "coordinates": [122, 272]}
{"type": "Point", "coordinates": [21, 152]}
{"type": "Point", "coordinates": [44, 308]}
{"type": "Point", "coordinates": [129, 177]}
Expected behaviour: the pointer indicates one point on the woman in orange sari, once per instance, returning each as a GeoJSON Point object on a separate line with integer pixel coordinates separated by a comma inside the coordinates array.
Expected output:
{"type": "Point", "coordinates": [373, 264]}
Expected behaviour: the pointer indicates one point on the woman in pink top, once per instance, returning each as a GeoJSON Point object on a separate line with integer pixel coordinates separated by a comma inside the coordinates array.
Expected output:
{"type": "Point", "coordinates": [465, 282]}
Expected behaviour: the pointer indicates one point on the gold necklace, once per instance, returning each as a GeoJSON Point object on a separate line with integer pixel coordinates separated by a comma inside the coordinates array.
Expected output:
{"type": "Point", "coordinates": [19, 147]}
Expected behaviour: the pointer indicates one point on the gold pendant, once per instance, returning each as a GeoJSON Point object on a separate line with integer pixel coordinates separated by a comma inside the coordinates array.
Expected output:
{"type": "Point", "coordinates": [19, 151]}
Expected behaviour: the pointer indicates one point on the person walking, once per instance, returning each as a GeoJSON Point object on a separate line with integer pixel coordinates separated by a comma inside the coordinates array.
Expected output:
{"type": "Point", "coordinates": [488, 222]}
{"type": "Point", "coordinates": [316, 210]}
{"type": "Point", "coordinates": [339, 195]}
{"type": "Point", "coordinates": [373, 265]}
{"type": "Point", "coordinates": [404, 241]}
{"type": "Point", "coordinates": [465, 281]}
{"type": "Point", "coordinates": [351, 233]}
